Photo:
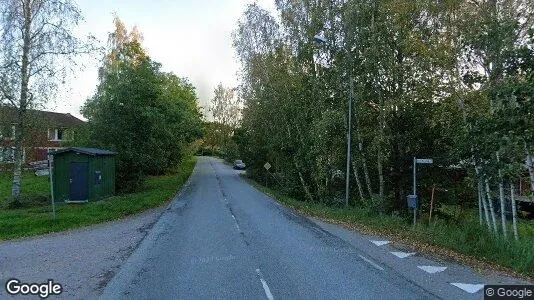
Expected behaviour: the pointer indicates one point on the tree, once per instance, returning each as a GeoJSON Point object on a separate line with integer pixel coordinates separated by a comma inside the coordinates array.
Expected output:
{"type": "Point", "coordinates": [226, 110]}
{"type": "Point", "coordinates": [149, 117]}
{"type": "Point", "coordinates": [37, 48]}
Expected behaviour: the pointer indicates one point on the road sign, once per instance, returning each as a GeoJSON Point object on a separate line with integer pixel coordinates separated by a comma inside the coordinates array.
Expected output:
{"type": "Point", "coordinates": [424, 161]}
{"type": "Point", "coordinates": [267, 166]}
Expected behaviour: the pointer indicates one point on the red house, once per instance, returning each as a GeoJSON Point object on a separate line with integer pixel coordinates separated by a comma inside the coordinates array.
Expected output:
{"type": "Point", "coordinates": [45, 131]}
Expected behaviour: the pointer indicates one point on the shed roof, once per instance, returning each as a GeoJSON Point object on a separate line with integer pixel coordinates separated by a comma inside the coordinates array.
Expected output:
{"type": "Point", "coordinates": [88, 151]}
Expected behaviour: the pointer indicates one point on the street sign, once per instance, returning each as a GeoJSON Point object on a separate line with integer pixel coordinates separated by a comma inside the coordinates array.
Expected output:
{"type": "Point", "coordinates": [424, 161]}
{"type": "Point", "coordinates": [267, 166]}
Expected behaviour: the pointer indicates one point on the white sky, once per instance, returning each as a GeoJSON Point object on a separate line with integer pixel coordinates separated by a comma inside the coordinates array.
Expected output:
{"type": "Point", "coordinates": [191, 38]}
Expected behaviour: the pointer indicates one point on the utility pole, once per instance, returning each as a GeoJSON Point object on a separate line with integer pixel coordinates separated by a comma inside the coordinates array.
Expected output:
{"type": "Point", "coordinates": [322, 40]}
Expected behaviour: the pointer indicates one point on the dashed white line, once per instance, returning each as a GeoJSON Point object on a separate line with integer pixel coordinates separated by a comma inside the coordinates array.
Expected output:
{"type": "Point", "coordinates": [402, 254]}
{"type": "Point", "coordinates": [235, 222]}
{"type": "Point", "coordinates": [265, 286]}
{"type": "Point", "coordinates": [380, 243]}
{"type": "Point", "coordinates": [468, 287]}
{"type": "Point", "coordinates": [372, 263]}
{"type": "Point", "coordinates": [432, 269]}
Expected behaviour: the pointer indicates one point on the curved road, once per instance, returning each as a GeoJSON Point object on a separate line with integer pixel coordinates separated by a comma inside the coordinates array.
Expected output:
{"type": "Point", "coordinates": [223, 239]}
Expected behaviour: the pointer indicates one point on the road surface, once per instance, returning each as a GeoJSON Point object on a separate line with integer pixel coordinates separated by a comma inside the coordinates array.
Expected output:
{"type": "Point", "coordinates": [223, 239]}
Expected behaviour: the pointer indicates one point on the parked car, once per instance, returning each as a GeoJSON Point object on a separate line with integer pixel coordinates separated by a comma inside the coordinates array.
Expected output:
{"type": "Point", "coordinates": [239, 165]}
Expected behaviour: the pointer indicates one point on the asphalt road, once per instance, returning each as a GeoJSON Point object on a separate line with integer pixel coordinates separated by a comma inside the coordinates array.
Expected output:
{"type": "Point", "coordinates": [223, 239]}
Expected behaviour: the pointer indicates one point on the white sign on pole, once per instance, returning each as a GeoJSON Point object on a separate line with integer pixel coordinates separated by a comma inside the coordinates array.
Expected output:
{"type": "Point", "coordinates": [424, 161]}
{"type": "Point", "coordinates": [267, 166]}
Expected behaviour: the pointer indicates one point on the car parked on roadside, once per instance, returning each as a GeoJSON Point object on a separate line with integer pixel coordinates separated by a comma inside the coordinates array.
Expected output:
{"type": "Point", "coordinates": [239, 165]}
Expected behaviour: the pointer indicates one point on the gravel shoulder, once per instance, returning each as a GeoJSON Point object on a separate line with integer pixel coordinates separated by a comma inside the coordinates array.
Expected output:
{"type": "Point", "coordinates": [81, 260]}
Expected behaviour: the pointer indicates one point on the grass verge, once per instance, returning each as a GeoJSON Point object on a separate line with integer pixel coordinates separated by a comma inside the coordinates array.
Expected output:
{"type": "Point", "coordinates": [468, 242]}
{"type": "Point", "coordinates": [32, 185]}
{"type": "Point", "coordinates": [34, 221]}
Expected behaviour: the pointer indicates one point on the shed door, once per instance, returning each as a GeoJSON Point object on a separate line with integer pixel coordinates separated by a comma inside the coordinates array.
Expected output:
{"type": "Point", "coordinates": [79, 181]}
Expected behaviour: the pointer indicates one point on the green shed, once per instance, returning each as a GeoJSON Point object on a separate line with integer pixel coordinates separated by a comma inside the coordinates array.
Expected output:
{"type": "Point", "coordinates": [82, 174]}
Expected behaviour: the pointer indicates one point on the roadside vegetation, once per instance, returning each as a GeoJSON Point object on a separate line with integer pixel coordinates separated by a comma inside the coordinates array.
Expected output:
{"type": "Point", "coordinates": [469, 244]}
{"type": "Point", "coordinates": [149, 117]}
{"type": "Point", "coordinates": [448, 80]}
{"type": "Point", "coordinates": [23, 222]}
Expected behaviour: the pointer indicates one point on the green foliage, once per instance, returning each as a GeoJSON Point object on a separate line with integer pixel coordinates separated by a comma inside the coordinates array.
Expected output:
{"type": "Point", "coordinates": [33, 188]}
{"type": "Point", "coordinates": [469, 239]}
{"type": "Point", "coordinates": [149, 117]}
{"type": "Point", "coordinates": [38, 220]}
{"type": "Point", "coordinates": [451, 80]}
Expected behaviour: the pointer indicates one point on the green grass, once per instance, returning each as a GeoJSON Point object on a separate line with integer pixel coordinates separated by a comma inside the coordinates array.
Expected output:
{"type": "Point", "coordinates": [34, 221]}
{"type": "Point", "coordinates": [469, 242]}
{"type": "Point", "coordinates": [31, 185]}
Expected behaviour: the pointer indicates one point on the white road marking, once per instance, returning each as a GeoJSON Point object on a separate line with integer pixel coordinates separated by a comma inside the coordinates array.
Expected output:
{"type": "Point", "coordinates": [235, 222]}
{"type": "Point", "coordinates": [380, 243]}
{"type": "Point", "coordinates": [265, 286]}
{"type": "Point", "coordinates": [470, 288]}
{"type": "Point", "coordinates": [402, 254]}
{"type": "Point", "coordinates": [432, 269]}
{"type": "Point", "coordinates": [372, 263]}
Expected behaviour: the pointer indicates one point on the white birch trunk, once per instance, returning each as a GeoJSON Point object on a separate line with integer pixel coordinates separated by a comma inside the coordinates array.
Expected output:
{"type": "Point", "coordinates": [514, 211]}
{"type": "Point", "coordinates": [530, 166]}
{"type": "Point", "coordinates": [501, 198]}
{"type": "Point", "coordinates": [492, 211]}
{"type": "Point", "coordinates": [358, 182]}
{"type": "Point", "coordinates": [484, 204]}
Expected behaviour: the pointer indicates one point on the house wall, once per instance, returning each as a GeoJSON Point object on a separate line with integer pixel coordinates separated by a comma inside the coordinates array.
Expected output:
{"type": "Point", "coordinates": [103, 164]}
{"type": "Point", "coordinates": [35, 146]}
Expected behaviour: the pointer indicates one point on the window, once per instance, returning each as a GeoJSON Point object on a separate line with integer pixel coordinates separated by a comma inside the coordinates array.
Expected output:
{"type": "Point", "coordinates": [57, 134]}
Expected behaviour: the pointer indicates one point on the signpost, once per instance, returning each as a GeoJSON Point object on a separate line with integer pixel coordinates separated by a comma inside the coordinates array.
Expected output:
{"type": "Point", "coordinates": [50, 173]}
{"type": "Point", "coordinates": [267, 166]}
{"type": "Point", "coordinates": [412, 199]}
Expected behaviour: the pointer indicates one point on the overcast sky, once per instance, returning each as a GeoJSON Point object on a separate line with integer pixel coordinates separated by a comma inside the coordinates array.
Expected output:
{"type": "Point", "coordinates": [191, 38]}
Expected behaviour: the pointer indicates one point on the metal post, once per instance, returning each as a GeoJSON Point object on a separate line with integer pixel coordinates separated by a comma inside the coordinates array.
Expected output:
{"type": "Point", "coordinates": [414, 189]}
{"type": "Point", "coordinates": [349, 135]}
{"type": "Point", "coordinates": [51, 176]}
{"type": "Point", "coordinates": [414, 175]}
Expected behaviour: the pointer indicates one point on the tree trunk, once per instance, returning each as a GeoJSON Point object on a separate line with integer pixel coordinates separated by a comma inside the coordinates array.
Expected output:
{"type": "Point", "coordinates": [492, 211]}
{"type": "Point", "coordinates": [501, 198]}
{"type": "Point", "coordinates": [484, 204]}
{"type": "Point", "coordinates": [24, 74]}
{"type": "Point", "coordinates": [480, 218]}
{"type": "Point", "coordinates": [530, 166]}
{"type": "Point", "coordinates": [514, 211]}
{"type": "Point", "coordinates": [302, 181]}
{"type": "Point", "coordinates": [358, 182]}
{"type": "Point", "coordinates": [365, 170]}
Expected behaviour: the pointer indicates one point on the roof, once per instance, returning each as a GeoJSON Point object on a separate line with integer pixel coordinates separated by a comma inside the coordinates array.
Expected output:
{"type": "Point", "coordinates": [88, 151]}
{"type": "Point", "coordinates": [59, 119]}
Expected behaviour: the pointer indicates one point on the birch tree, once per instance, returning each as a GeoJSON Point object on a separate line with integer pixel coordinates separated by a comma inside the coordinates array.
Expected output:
{"type": "Point", "coordinates": [37, 49]}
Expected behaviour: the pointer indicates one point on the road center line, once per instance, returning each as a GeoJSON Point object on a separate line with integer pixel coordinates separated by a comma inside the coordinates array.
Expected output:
{"type": "Point", "coordinates": [265, 286]}
{"type": "Point", "coordinates": [372, 263]}
{"type": "Point", "coordinates": [235, 222]}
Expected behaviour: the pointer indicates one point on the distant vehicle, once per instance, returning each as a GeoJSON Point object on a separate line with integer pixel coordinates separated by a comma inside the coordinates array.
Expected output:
{"type": "Point", "coordinates": [239, 165]}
